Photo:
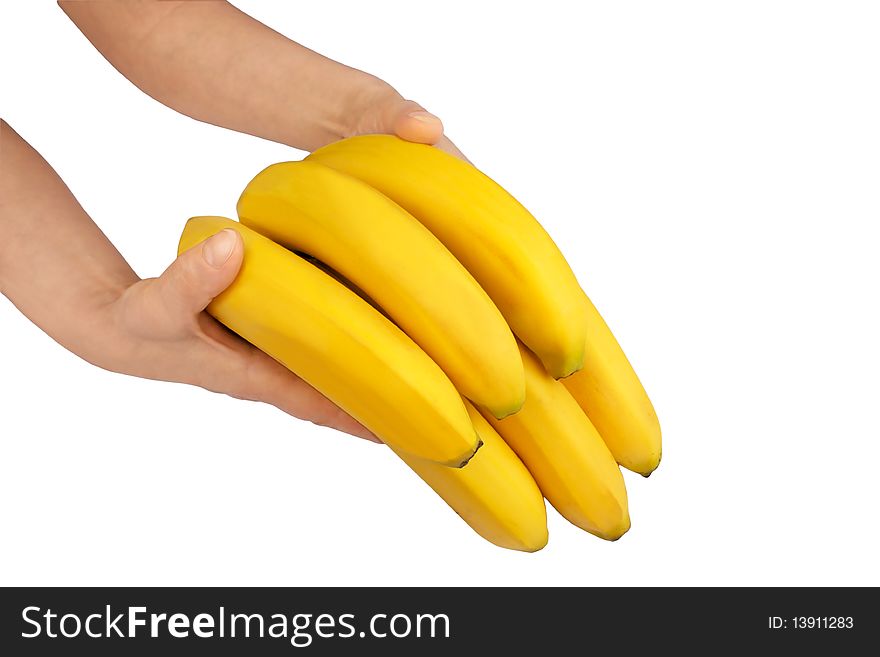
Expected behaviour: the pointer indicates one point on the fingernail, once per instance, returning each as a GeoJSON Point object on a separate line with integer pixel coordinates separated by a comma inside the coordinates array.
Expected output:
{"type": "Point", "coordinates": [424, 117]}
{"type": "Point", "coordinates": [218, 248]}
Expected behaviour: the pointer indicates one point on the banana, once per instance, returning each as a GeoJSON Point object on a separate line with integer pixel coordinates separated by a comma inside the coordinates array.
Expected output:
{"type": "Point", "coordinates": [566, 456]}
{"type": "Point", "coordinates": [345, 349]}
{"type": "Point", "coordinates": [493, 236]}
{"type": "Point", "coordinates": [612, 396]}
{"type": "Point", "coordinates": [494, 494]}
{"type": "Point", "coordinates": [399, 264]}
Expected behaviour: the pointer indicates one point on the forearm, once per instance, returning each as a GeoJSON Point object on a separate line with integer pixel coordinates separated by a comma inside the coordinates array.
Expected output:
{"type": "Point", "coordinates": [56, 265]}
{"type": "Point", "coordinates": [216, 64]}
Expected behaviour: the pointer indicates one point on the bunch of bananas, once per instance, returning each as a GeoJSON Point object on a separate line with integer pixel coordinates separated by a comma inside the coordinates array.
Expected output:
{"type": "Point", "coordinates": [425, 301]}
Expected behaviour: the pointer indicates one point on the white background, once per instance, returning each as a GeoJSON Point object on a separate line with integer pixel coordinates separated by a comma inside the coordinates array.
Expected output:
{"type": "Point", "coordinates": [712, 172]}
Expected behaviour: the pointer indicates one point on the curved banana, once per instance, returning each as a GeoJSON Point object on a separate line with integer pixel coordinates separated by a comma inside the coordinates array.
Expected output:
{"type": "Point", "coordinates": [493, 236]}
{"type": "Point", "coordinates": [341, 346]}
{"type": "Point", "coordinates": [612, 396]}
{"type": "Point", "coordinates": [494, 494]}
{"type": "Point", "coordinates": [400, 265]}
{"type": "Point", "coordinates": [566, 455]}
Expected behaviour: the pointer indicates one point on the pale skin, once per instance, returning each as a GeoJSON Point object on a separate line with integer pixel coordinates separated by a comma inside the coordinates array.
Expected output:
{"type": "Point", "coordinates": [216, 64]}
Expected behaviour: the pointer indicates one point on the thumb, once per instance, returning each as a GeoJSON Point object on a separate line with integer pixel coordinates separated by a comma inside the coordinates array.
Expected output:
{"type": "Point", "coordinates": [200, 274]}
{"type": "Point", "coordinates": [410, 121]}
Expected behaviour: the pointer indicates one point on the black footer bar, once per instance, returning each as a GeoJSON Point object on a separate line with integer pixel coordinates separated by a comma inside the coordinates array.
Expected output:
{"type": "Point", "coordinates": [428, 621]}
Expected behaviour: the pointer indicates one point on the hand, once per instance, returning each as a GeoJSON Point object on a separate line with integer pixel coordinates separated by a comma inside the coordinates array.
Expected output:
{"type": "Point", "coordinates": [167, 336]}
{"type": "Point", "coordinates": [211, 61]}
{"type": "Point", "coordinates": [88, 299]}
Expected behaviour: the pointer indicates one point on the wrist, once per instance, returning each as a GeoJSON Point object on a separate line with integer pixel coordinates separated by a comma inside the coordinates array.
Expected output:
{"type": "Point", "coordinates": [101, 336]}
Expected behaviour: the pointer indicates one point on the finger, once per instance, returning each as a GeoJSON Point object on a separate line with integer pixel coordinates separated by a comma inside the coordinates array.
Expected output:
{"type": "Point", "coordinates": [299, 399]}
{"type": "Point", "coordinates": [410, 121]}
{"type": "Point", "coordinates": [269, 381]}
{"type": "Point", "coordinates": [200, 274]}
{"type": "Point", "coordinates": [413, 123]}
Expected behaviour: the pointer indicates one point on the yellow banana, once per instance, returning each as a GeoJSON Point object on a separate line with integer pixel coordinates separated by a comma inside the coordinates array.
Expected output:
{"type": "Point", "coordinates": [340, 345]}
{"type": "Point", "coordinates": [494, 494]}
{"type": "Point", "coordinates": [612, 396]}
{"type": "Point", "coordinates": [400, 265]}
{"type": "Point", "coordinates": [493, 236]}
{"type": "Point", "coordinates": [566, 455]}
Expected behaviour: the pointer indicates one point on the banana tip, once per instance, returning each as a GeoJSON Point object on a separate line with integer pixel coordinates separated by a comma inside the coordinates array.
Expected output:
{"type": "Point", "coordinates": [615, 535]}
{"type": "Point", "coordinates": [468, 459]}
{"type": "Point", "coordinates": [508, 411]}
{"type": "Point", "coordinates": [656, 464]}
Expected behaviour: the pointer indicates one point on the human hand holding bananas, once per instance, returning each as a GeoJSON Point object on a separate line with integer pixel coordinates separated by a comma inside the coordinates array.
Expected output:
{"type": "Point", "coordinates": [62, 272]}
